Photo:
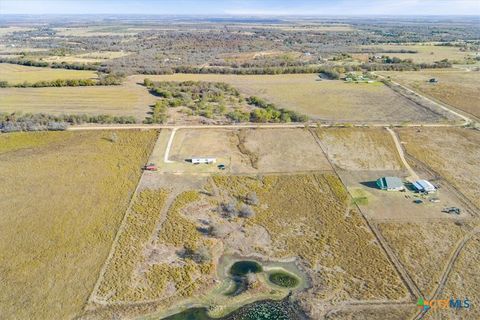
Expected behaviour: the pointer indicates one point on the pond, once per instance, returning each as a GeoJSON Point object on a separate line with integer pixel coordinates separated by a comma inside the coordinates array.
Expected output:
{"type": "Point", "coordinates": [283, 279]}
{"type": "Point", "coordinates": [242, 268]}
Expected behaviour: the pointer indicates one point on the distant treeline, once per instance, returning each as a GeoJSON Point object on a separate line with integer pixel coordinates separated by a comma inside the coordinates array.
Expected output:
{"type": "Point", "coordinates": [396, 64]}
{"type": "Point", "coordinates": [103, 80]}
{"type": "Point", "coordinates": [12, 122]}
{"type": "Point", "coordinates": [55, 65]}
{"type": "Point", "coordinates": [330, 71]}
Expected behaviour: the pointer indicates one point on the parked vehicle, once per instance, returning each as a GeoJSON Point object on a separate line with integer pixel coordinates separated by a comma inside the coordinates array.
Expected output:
{"type": "Point", "coordinates": [150, 167]}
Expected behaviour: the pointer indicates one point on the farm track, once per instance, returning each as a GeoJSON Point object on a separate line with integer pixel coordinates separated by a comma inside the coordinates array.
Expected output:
{"type": "Point", "coordinates": [248, 126]}
{"type": "Point", "coordinates": [413, 175]}
{"type": "Point", "coordinates": [448, 268]}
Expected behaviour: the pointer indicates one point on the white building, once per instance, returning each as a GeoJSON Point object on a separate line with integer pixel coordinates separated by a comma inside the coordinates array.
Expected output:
{"type": "Point", "coordinates": [424, 186]}
{"type": "Point", "coordinates": [203, 160]}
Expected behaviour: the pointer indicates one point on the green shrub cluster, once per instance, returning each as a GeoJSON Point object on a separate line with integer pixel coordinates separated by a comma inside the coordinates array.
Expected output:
{"type": "Point", "coordinates": [55, 65]}
{"type": "Point", "coordinates": [268, 112]}
{"type": "Point", "coordinates": [11, 122]}
{"type": "Point", "coordinates": [207, 99]}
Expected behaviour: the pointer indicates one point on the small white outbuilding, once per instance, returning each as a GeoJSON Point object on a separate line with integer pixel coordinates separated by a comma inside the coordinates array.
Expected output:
{"type": "Point", "coordinates": [203, 160]}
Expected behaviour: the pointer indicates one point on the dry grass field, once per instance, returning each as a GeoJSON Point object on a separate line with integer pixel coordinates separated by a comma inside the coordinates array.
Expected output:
{"type": "Point", "coordinates": [454, 153]}
{"type": "Point", "coordinates": [243, 151]}
{"type": "Point", "coordinates": [15, 74]}
{"type": "Point", "coordinates": [330, 100]}
{"type": "Point", "coordinates": [457, 88]}
{"type": "Point", "coordinates": [128, 99]}
{"type": "Point", "coordinates": [307, 217]}
{"type": "Point", "coordinates": [378, 313]}
{"type": "Point", "coordinates": [63, 195]}
{"type": "Point", "coordinates": [464, 283]}
{"type": "Point", "coordinates": [423, 249]}
{"type": "Point", "coordinates": [360, 148]}
{"type": "Point", "coordinates": [91, 57]}
{"type": "Point", "coordinates": [427, 53]}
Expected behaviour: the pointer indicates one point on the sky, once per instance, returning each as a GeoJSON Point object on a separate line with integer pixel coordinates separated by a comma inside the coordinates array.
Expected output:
{"type": "Point", "coordinates": [243, 7]}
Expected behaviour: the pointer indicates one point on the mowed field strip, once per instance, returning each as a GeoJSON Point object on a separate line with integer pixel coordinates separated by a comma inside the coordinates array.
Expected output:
{"type": "Point", "coordinates": [16, 74]}
{"type": "Point", "coordinates": [330, 100]}
{"type": "Point", "coordinates": [129, 99]}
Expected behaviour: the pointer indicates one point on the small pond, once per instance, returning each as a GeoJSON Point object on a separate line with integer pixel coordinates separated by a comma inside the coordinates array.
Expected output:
{"type": "Point", "coordinates": [283, 279]}
{"type": "Point", "coordinates": [242, 268]}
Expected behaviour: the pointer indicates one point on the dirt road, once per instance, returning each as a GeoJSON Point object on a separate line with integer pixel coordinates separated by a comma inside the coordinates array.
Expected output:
{"type": "Point", "coordinates": [413, 176]}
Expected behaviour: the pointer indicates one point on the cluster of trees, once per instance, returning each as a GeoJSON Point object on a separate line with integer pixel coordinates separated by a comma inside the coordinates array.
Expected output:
{"type": "Point", "coordinates": [210, 99]}
{"type": "Point", "coordinates": [329, 70]}
{"type": "Point", "coordinates": [104, 80]}
{"type": "Point", "coordinates": [268, 112]}
{"type": "Point", "coordinates": [396, 64]}
{"type": "Point", "coordinates": [55, 65]}
{"type": "Point", "coordinates": [207, 99]}
{"type": "Point", "coordinates": [11, 122]}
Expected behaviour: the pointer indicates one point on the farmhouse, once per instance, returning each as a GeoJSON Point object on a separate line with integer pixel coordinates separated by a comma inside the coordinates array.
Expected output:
{"type": "Point", "coordinates": [390, 184]}
{"type": "Point", "coordinates": [424, 186]}
{"type": "Point", "coordinates": [203, 160]}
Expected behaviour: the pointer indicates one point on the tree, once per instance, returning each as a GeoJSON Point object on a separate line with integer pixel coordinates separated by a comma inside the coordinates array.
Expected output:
{"type": "Point", "coordinates": [246, 212]}
{"type": "Point", "coordinates": [229, 209]}
{"type": "Point", "coordinates": [251, 198]}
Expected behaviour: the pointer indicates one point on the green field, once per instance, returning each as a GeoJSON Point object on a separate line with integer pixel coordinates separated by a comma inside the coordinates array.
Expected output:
{"type": "Point", "coordinates": [62, 195]}
{"type": "Point", "coordinates": [128, 99]}
{"type": "Point", "coordinates": [15, 74]}
{"type": "Point", "coordinates": [330, 100]}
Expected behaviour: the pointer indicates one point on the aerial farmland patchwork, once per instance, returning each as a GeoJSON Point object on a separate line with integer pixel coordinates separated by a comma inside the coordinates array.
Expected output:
{"type": "Point", "coordinates": [223, 168]}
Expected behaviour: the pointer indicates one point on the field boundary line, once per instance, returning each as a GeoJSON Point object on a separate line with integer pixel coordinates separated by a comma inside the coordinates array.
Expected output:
{"type": "Point", "coordinates": [410, 285]}
{"type": "Point", "coordinates": [93, 294]}
{"type": "Point", "coordinates": [466, 119]}
{"type": "Point", "coordinates": [449, 266]}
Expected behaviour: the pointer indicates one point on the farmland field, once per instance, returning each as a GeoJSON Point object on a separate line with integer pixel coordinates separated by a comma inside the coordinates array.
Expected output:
{"type": "Point", "coordinates": [454, 153]}
{"type": "Point", "coordinates": [16, 74]}
{"type": "Point", "coordinates": [423, 248]}
{"type": "Point", "coordinates": [464, 282]}
{"type": "Point", "coordinates": [317, 231]}
{"type": "Point", "coordinates": [63, 195]}
{"type": "Point", "coordinates": [457, 88]}
{"type": "Point", "coordinates": [427, 53]}
{"type": "Point", "coordinates": [128, 99]}
{"type": "Point", "coordinates": [360, 149]}
{"type": "Point", "coordinates": [90, 57]}
{"type": "Point", "coordinates": [243, 151]}
{"type": "Point", "coordinates": [330, 100]}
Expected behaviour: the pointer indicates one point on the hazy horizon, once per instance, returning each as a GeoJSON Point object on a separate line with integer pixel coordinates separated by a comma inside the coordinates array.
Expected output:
{"type": "Point", "coordinates": [244, 8]}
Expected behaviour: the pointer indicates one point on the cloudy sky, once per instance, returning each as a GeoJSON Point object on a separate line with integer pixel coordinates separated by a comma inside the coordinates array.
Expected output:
{"type": "Point", "coordinates": [245, 7]}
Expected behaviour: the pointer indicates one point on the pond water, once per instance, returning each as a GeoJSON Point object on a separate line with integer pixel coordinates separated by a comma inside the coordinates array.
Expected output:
{"type": "Point", "coordinates": [261, 310]}
{"type": "Point", "coordinates": [241, 268]}
{"type": "Point", "coordinates": [275, 273]}
{"type": "Point", "coordinates": [283, 279]}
